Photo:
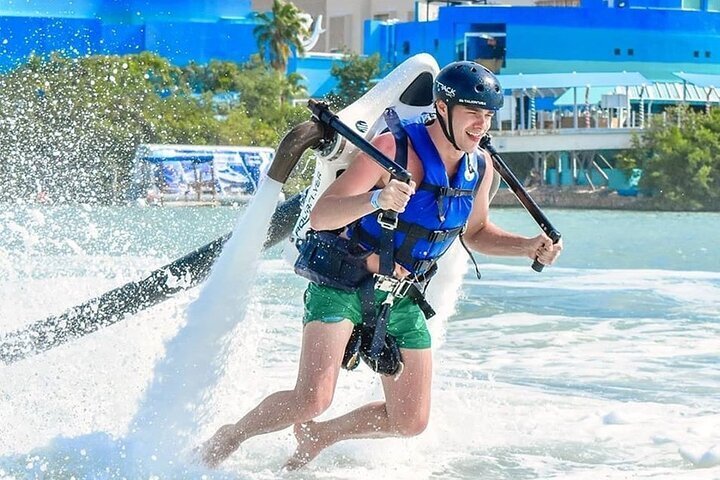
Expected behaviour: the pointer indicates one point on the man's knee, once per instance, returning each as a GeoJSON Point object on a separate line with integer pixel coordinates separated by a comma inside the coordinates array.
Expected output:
{"type": "Point", "coordinates": [412, 424]}
{"type": "Point", "coordinates": [314, 401]}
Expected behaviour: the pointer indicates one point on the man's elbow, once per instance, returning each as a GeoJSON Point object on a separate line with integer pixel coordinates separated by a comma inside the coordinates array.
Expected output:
{"type": "Point", "coordinates": [316, 221]}
{"type": "Point", "coordinates": [475, 240]}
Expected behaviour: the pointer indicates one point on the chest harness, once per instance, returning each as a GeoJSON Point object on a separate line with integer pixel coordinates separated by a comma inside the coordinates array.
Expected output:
{"type": "Point", "coordinates": [434, 217]}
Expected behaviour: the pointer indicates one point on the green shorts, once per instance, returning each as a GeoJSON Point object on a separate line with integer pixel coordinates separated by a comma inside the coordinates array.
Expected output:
{"type": "Point", "coordinates": [330, 305]}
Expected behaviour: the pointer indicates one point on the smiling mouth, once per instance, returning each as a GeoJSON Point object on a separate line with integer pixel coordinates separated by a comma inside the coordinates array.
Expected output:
{"type": "Point", "coordinates": [474, 135]}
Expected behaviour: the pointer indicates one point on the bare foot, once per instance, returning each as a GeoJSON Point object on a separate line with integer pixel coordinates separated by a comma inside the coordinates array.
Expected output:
{"type": "Point", "coordinates": [310, 444]}
{"type": "Point", "coordinates": [225, 441]}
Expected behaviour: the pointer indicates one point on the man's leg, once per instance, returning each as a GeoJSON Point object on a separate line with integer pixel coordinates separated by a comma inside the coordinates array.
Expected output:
{"type": "Point", "coordinates": [405, 412]}
{"type": "Point", "coordinates": [323, 347]}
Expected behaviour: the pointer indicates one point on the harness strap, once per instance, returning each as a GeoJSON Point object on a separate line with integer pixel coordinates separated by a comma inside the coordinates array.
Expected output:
{"type": "Point", "coordinates": [472, 257]}
{"type": "Point", "coordinates": [441, 193]}
{"type": "Point", "coordinates": [419, 298]}
{"type": "Point", "coordinates": [481, 174]}
{"type": "Point", "coordinates": [433, 236]}
{"type": "Point", "coordinates": [375, 320]}
{"type": "Point", "coordinates": [412, 233]}
{"type": "Point", "coordinates": [394, 124]}
{"type": "Point", "coordinates": [386, 248]}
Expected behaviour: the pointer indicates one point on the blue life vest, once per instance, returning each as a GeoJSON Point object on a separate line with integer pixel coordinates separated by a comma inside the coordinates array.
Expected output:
{"type": "Point", "coordinates": [435, 215]}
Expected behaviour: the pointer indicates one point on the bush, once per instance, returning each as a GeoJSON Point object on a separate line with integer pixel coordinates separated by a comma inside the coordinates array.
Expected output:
{"type": "Point", "coordinates": [71, 126]}
{"type": "Point", "coordinates": [680, 159]}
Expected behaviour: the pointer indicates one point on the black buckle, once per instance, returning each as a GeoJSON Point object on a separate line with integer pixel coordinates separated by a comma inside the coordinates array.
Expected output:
{"type": "Point", "coordinates": [396, 287]}
{"type": "Point", "coordinates": [423, 266]}
{"type": "Point", "coordinates": [438, 235]}
{"type": "Point", "coordinates": [390, 223]}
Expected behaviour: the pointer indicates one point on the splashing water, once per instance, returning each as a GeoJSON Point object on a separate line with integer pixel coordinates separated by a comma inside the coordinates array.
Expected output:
{"type": "Point", "coordinates": [194, 360]}
{"type": "Point", "coordinates": [182, 380]}
{"type": "Point", "coordinates": [604, 366]}
{"type": "Point", "coordinates": [444, 289]}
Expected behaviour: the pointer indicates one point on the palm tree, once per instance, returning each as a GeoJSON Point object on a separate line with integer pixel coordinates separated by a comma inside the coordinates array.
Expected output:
{"type": "Point", "coordinates": [294, 87]}
{"type": "Point", "coordinates": [279, 30]}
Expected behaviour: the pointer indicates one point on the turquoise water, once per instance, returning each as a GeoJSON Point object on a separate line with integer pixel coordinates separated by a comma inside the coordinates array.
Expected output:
{"type": "Point", "coordinates": [603, 366]}
{"type": "Point", "coordinates": [596, 238]}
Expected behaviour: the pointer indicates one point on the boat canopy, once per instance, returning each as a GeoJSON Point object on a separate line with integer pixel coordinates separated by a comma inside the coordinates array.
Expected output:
{"type": "Point", "coordinates": [198, 172]}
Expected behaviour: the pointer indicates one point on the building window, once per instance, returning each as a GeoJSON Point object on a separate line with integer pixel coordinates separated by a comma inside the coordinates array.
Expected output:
{"type": "Point", "coordinates": [696, 54]}
{"type": "Point", "coordinates": [436, 44]}
{"type": "Point", "coordinates": [385, 16]}
{"type": "Point", "coordinates": [707, 54]}
{"type": "Point", "coordinates": [406, 48]}
{"type": "Point", "coordinates": [617, 51]}
{"type": "Point", "coordinates": [631, 51]}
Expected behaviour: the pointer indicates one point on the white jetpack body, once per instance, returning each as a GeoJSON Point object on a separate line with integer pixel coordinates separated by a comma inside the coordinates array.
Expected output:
{"type": "Point", "coordinates": [408, 88]}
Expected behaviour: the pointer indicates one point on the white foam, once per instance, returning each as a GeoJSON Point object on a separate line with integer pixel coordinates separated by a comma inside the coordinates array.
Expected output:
{"type": "Point", "coordinates": [537, 378]}
{"type": "Point", "coordinates": [701, 459]}
{"type": "Point", "coordinates": [195, 359]}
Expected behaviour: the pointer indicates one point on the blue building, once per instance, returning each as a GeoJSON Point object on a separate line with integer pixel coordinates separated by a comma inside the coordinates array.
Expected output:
{"type": "Point", "coordinates": [652, 37]}
{"type": "Point", "coordinates": [181, 30]}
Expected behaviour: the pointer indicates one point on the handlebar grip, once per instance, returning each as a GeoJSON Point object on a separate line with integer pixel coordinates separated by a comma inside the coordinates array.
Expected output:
{"type": "Point", "coordinates": [555, 237]}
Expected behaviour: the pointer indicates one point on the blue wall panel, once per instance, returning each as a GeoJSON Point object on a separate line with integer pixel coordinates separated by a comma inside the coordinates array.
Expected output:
{"type": "Point", "coordinates": [122, 39]}
{"type": "Point", "coordinates": [202, 30]}
{"type": "Point", "coordinates": [52, 8]}
{"type": "Point", "coordinates": [134, 11]}
{"type": "Point", "coordinates": [21, 36]}
{"type": "Point", "coordinates": [654, 41]}
{"type": "Point", "coordinates": [316, 71]}
{"type": "Point", "coordinates": [201, 42]}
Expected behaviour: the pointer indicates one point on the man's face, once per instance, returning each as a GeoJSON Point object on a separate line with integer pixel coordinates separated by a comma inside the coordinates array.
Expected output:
{"type": "Point", "coordinates": [470, 125]}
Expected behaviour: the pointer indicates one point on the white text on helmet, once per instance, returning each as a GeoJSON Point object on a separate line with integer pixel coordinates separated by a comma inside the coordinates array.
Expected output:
{"type": "Point", "coordinates": [449, 91]}
{"type": "Point", "coordinates": [473, 102]}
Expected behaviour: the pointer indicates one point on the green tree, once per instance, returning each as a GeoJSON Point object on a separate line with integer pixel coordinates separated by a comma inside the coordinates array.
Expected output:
{"type": "Point", "coordinates": [356, 75]}
{"type": "Point", "coordinates": [680, 159]}
{"type": "Point", "coordinates": [278, 31]}
{"type": "Point", "coordinates": [71, 126]}
{"type": "Point", "coordinates": [294, 87]}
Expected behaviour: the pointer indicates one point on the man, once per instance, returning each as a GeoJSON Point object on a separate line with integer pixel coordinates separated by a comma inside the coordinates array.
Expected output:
{"type": "Point", "coordinates": [453, 180]}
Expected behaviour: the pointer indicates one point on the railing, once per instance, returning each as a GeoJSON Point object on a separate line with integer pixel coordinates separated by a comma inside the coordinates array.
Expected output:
{"type": "Point", "coordinates": [584, 120]}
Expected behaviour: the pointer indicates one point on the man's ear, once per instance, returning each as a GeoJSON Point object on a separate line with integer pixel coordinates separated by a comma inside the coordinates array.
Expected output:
{"type": "Point", "coordinates": [441, 107]}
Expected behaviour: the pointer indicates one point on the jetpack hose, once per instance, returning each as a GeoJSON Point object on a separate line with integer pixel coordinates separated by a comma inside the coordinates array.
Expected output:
{"type": "Point", "coordinates": [163, 283]}
{"type": "Point", "coordinates": [522, 195]}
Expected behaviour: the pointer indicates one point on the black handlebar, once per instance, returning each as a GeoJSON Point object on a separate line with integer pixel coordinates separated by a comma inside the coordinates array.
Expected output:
{"type": "Point", "coordinates": [522, 195]}
{"type": "Point", "coordinates": [324, 115]}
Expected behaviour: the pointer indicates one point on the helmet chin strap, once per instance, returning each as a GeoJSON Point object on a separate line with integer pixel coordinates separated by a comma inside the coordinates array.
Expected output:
{"type": "Point", "coordinates": [447, 131]}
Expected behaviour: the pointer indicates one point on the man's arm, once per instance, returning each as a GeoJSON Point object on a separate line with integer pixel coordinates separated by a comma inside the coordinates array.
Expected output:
{"type": "Point", "coordinates": [485, 237]}
{"type": "Point", "coordinates": [348, 197]}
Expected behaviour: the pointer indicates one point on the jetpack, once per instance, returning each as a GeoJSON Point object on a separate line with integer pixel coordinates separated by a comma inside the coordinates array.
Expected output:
{"type": "Point", "coordinates": [408, 88]}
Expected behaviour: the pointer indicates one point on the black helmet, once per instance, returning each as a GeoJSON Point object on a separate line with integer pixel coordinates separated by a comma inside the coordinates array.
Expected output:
{"type": "Point", "coordinates": [469, 84]}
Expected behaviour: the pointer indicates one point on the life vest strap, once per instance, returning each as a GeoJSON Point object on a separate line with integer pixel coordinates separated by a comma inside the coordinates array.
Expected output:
{"type": "Point", "coordinates": [433, 236]}
{"type": "Point", "coordinates": [447, 191]}
{"type": "Point", "coordinates": [413, 232]}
